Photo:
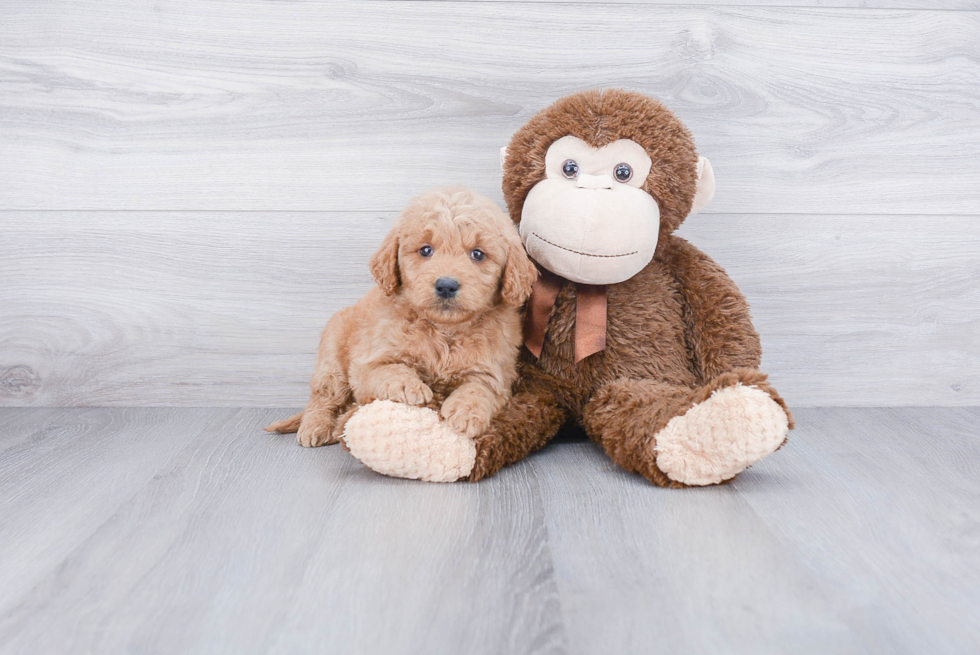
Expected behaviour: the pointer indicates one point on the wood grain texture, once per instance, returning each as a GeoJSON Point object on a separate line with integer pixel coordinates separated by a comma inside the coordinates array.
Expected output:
{"type": "Point", "coordinates": [225, 308]}
{"type": "Point", "coordinates": [19, 425]}
{"type": "Point", "coordinates": [241, 542]}
{"type": "Point", "coordinates": [860, 535]}
{"type": "Point", "coordinates": [173, 308]}
{"type": "Point", "coordinates": [858, 310]}
{"type": "Point", "coordinates": [901, 490]}
{"type": "Point", "coordinates": [962, 5]}
{"type": "Point", "coordinates": [191, 531]}
{"type": "Point", "coordinates": [691, 571]}
{"type": "Point", "coordinates": [71, 475]}
{"type": "Point", "coordinates": [336, 106]}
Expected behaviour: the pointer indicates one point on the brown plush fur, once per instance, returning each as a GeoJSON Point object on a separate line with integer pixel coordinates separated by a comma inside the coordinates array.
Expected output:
{"type": "Point", "coordinates": [599, 118]}
{"type": "Point", "coordinates": [403, 342]}
{"type": "Point", "coordinates": [676, 331]}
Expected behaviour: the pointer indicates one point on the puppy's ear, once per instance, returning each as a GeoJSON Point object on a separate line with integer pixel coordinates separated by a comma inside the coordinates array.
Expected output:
{"type": "Point", "coordinates": [519, 273]}
{"type": "Point", "coordinates": [384, 265]}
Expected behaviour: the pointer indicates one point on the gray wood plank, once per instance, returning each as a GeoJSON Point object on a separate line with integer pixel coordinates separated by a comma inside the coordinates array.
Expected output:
{"type": "Point", "coordinates": [184, 549]}
{"type": "Point", "coordinates": [225, 308]}
{"type": "Point", "coordinates": [244, 542]}
{"type": "Point", "coordinates": [19, 424]}
{"type": "Point", "coordinates": [853, 310]}
{"type": "Point", "coordinates": [58, 487]}
{"type": "Point", "coordinates": [646, 570]}
{"type": "Point", "coordinates": [421, 568]}
{"type": "Point", "coordinates": [883, 505]}
{"type": "Point", "coordinates": [338, 106]}
{"type": "Point", "coordinates": [173, 308]}
{"type": "Point", "coordinates": [967, 5]}
{"type": "Point", "coordinates": [859, 536]}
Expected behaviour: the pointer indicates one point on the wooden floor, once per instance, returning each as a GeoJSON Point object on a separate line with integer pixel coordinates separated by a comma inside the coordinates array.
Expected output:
{"type": "Point", "coordinates": [191, 531]}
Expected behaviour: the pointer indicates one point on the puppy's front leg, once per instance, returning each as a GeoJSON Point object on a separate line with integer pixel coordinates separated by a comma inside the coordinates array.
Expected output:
{"type": "Point", "coordinates": [329, 390]}
{"type": "Point", "coordinates": [396, 382]}
{"type": "Point", "coordinates": [473, 404]}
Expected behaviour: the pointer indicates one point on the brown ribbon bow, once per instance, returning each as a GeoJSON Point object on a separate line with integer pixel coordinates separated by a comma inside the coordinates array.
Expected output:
{"type": "Point", "coordinates": [590, 315]}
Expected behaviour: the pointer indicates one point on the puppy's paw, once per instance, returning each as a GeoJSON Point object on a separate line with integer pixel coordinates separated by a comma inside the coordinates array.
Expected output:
{"type": "Point", "coordinates": [467, 415]}
{"type": "Point", "coordinates": [315, 432]}
{"type": "Point", "coordinates": [406, 389]}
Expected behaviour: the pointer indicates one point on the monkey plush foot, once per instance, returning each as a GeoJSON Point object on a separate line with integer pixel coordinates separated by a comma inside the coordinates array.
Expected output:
{"type": "Point", "coordinates": [720, 437]}
{"type": "Point", "coordinates": [404, 441]}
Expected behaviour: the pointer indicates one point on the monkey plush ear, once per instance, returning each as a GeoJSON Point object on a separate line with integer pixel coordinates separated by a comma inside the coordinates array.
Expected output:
{"type": "Point", "coordinates": [706, 186]}
{"type": "Point", "coordinates": [384, 264]}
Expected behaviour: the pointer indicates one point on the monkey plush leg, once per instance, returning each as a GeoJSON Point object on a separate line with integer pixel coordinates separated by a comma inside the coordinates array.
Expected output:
{"type": "Point", "coordinates": [411, 442]}
{"type": "Point", "coordinates": [678, 436]}
{"type": "Point", "coordinates": [407, 441]}
{"type": "Point", "coordinates": [528, 421]}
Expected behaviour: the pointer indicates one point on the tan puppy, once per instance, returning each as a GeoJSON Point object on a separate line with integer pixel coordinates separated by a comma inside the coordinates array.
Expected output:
{"type": "Point", "coordinates": [442, 325]}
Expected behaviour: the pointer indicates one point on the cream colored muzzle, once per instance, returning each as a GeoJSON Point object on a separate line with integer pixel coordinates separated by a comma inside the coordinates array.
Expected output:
{"type": "Point", "coordinates": [590, 230]}
{"type": "Point", "coordinates": [589, 227]}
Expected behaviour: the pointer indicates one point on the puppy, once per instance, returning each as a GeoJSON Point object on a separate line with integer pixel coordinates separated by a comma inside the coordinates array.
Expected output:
{"type": "Point", "coordinates": [440, 328]}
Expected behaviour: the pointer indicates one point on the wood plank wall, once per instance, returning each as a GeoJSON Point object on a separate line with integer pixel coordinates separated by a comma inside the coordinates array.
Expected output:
{"type": "Point", "coordinates": [189, 188]}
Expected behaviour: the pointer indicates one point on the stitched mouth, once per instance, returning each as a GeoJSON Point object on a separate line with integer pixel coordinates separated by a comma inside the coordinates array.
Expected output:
{"type": "Point", "coordinates": [578, 252]}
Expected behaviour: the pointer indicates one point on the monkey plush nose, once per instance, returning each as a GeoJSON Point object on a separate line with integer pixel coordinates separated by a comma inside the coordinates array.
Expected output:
{"type": "Point", "coordinates": [446, 287]}
{"type": "Point", "coordinates": [586, 181]}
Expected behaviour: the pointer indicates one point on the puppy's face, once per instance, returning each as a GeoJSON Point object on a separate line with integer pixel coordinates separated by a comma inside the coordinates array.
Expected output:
{"type": "Point", "coordinates": [454, 254]}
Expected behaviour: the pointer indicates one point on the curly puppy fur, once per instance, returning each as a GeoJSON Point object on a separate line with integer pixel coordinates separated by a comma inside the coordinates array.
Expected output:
{"type": "Point", "coordinates": [406, 343]}
{"type": "Point", "coordinates": [677, 331]}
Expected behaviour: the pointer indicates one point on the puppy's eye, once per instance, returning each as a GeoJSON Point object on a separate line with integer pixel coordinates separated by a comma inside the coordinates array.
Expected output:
{"type": "Point", "coordinates": [426, 251]}
{"type": "Point", "coordinates": [623, 172]}
{"type": "Point", "coordinates": [570, 169]}
{"type": "Point", "coordinates": [478, 255]}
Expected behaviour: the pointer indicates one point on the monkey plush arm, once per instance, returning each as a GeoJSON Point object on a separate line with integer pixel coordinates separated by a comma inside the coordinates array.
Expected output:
{"type": "Point", "coordinates": [719, 331]}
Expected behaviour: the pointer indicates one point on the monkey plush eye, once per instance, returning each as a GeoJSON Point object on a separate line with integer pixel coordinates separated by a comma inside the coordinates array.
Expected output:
{"type": "Point", "coordinates": [477, 255]}
{"type": "Point", "coordinates": [425, 251]}
{"type": "Point", "coordinates": [623, 172]}
{"type": "Point", "coordinates": [569, 169]}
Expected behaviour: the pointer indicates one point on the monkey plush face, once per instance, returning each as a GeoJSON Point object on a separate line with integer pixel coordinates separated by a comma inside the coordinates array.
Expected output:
{"type": "Point", "coordinates": [590, 220]}
{"type": "Point", "coordinates": [596, 179]}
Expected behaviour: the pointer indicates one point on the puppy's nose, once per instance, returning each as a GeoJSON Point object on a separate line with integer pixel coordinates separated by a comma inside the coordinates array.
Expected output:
{"type": "Point", "coordinates": [446, 287]}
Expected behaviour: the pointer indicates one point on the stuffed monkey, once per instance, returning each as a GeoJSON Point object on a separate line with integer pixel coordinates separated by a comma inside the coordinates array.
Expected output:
{"type": "Point", "coordinates": [631, 331]}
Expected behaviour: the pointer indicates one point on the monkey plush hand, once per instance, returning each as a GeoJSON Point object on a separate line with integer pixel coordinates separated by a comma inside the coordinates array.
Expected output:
{"type": "Point", "coordinates": [631, 331]}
